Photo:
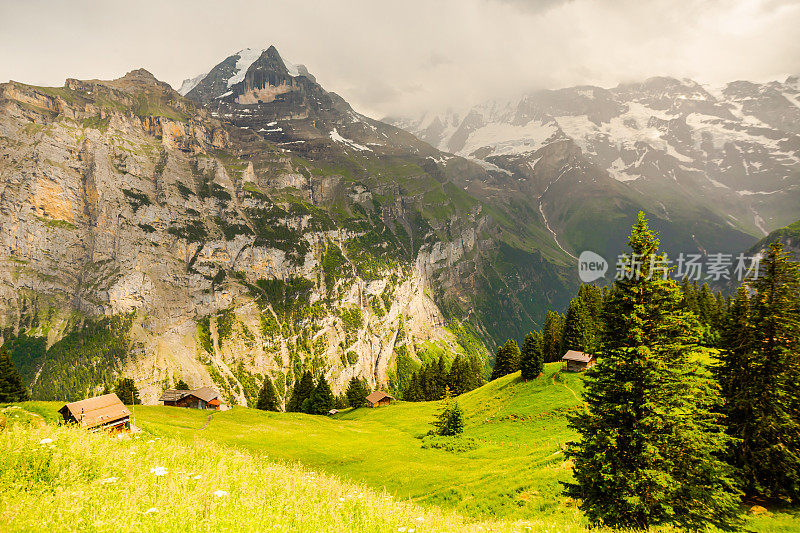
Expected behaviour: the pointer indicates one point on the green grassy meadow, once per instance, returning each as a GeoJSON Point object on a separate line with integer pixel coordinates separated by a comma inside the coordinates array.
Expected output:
{"type": "Point", "coordinates": [515, 471]}
{"type": "Point", "coordinates": [513, 475]}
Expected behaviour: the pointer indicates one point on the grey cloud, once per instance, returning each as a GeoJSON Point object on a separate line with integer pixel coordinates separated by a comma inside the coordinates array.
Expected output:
{"type": "Point", "coordinates": [391, 58]}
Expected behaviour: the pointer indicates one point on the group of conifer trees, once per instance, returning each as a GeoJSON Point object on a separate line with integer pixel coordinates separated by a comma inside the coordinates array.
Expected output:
{"type": "Point", "coordinates": [12, 389]}
{"type": "Point", "coordinates": [580, 329]}
{"type": "Point", "coordinates": [529, 359]}
{"type": "Point", "coordinates": [311, 398]}
{"type": "Point", "coordinates": [433, 379]}
{"type": "Point", "coordinates": [316, 399]}
{"type": "Point", "coordinates": [671, 435]}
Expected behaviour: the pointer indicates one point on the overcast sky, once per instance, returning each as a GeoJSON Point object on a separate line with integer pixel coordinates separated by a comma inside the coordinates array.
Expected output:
{"type": "Point", "coordinates": [403, 57]}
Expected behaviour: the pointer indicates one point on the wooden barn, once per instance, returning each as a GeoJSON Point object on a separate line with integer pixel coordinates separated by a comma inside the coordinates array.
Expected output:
{"type": "Point", "coordinates": [378, 399]}
{"type": "Point", "coordinates": [578, 361]}
{"type": "Point", "coordinates": [202, 398]}
{"type": "Point", "coordinates": [101, 412]}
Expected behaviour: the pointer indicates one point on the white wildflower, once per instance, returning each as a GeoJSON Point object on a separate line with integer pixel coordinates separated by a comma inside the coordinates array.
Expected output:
{"type": "Point", "coordinates": [401, 529]}
{"type": "Point", "coordinates": [159, 471]}
{"type": "Point", "coordinates": [220, 493]}
{"type": "Point", "coordinates": [151, 510]}
{"type": "Point", "coordinates": [45, 441]}
{"type": "Point", "coordinates": [420, 519]}
{"type": "Point", "coordinates": [108, 480]}
{"type": "Point", "coordinates": [198, 476]}
{"type": "Point", "coordinates": [341, 499]}
{"type": "Point", "coordinates": [150, 441]}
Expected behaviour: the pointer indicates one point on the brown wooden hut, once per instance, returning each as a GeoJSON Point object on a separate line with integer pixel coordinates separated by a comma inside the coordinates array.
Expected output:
{"type": "Point", "coordinates": [101, 412]}
{"type": "Point", "coordinates": [378, 399]}
{"type": "Point", "coordinates": [578, 361]}
{"type": "Point", "coordinates": [202, 398]}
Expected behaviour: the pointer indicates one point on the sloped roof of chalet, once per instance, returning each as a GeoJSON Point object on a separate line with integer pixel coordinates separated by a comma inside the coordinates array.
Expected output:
{"type": "Point", "coordinates": [377, 396]}
{"type": "Point", "coordinates": [96, 411]}
{"type": "Point", "coordinates": [173, 395]}
{"type": "Point", "coordinates": [580, 357]}
{"type": "Point", "coordinates": [204, 393]}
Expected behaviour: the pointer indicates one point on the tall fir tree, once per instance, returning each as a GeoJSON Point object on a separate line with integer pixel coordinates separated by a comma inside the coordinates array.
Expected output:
{"type": "Point", "coordinates": [127, 392]}
{"type": "Point", "coordinates": [359, 389]}
{"type": "Point", "coordinates": [552, 334]}
{"type": "Point", "coordinates": [301, 392]}
{"type": "Point", "coordinates": [268, 397]}
{"type": "Point", "coordinates": [760, 372]}
{"type": "Point", "coordinates": [181, 385]}
{"type": "Point", "coordinates": [531, 356]}
{"type": "Point", "coordinates": [650, 439]}
{"type": "Point", "coordinates": [322, 399]}
{"type": "Point", "coordinates": [449, 420]}
{"type": "Point", "coordinates": [11, 387]}
{"type": "Point", "coordinates": [506, 360]}
{"type": "Point", "coordinates": [458, 375]}
{"type": "Point", "coordinates": [578, 328]}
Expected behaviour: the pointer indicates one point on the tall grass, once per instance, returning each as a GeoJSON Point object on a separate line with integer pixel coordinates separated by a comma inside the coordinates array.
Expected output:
{"type": "Point", "coordinates": [93, 482]}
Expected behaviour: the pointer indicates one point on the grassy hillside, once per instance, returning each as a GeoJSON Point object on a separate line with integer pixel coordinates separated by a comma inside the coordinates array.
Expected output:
{"type": "Point", "coordinates": [517, 428]}
{"type": "Point", "coordinates": [515, 470]}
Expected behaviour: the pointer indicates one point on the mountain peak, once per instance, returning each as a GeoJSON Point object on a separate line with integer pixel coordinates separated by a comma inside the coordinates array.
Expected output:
{"type": "Point", "coordinates": [234, 68]}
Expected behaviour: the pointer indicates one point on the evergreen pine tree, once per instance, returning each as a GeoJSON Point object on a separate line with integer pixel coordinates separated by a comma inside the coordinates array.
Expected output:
{"type": "Point", "coordinates": [301, 392]}
{"type": "Point", "coordinates": [268, 396]}
{"type": "Point", "coordinates": [475, 374]}
{"type": "Point", "coordinates": [760, 372]}
{"type": "Point", "coordinates": [506, 360]}
{"type": "Point", "coordinates": [450, 420]}
{"type": "Point", "coordinates": [457, 377]}
{"type": "Point", "coordinates": [322, 399]}
{"type": "Point", "coordinates": [440, 378]}
{"type": "Point", "coordinates": [413, 392]}
{"type": "Point", "coordinates": [181, 385]}
{"type": "Point", "coordinates": [127, 392]}
{"type": "Point", "coordinates": [578, 328]}
{"type": "Point", "coordinates": [551, 337]}
{"type": "Point", "coordinates": [531, 356]}
{"type": "Point", "coordinates": [650, 440]}
{"type": "Point", "coordinates": [358, 390]}
{"type": "Point", "coordinates": [11, 387]}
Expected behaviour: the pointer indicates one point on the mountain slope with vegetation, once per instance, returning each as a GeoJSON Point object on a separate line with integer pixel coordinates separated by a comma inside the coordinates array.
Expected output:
{"type": "Point", "coordinates": [229, 238]}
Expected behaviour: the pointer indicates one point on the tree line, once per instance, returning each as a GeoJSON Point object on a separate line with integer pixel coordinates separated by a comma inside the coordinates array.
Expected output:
{"type": "Point", "coordinates": [435, 378]}
{"type": "Point", "coordinates": [314, 398]}
{"type": "Point", "coordinates": [582, 326]}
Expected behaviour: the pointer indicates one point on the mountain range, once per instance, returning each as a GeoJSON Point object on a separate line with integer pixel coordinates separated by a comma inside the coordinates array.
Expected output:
{"type": "Point", "coordinates": [715, 168]}
{"type": "Point", "coordinates": [253, 224]}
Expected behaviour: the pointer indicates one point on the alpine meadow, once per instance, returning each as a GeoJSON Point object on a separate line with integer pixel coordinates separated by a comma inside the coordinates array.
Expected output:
{"type": "Point", "coordinates": [533, 267]}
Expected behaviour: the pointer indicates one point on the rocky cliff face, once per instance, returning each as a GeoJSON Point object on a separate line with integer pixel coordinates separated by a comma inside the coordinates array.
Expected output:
{"type": "Point", "coordinates": [142, 236]}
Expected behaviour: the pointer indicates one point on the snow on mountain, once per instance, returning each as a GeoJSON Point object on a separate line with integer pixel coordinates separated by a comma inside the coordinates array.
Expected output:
{"type": "Point", "coordinates": [191, 83]}
{"type": "Point", "coordinates": [734, 147]}
{"type": "Point", "coordinates": [247, 57]}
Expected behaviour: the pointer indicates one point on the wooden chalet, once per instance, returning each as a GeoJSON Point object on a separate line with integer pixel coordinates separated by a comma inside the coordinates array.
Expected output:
{"type": "Point", "coordinates": [578, 361]}
{"type": "Point", "coordinates": [378, 399]}
{"type": "Point", "coordinates": [101, 412]}
{"type": "Point", "coordinates": [202, 398]}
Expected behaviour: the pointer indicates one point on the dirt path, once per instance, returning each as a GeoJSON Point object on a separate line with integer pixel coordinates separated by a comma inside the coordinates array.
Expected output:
{"type": "Point", "coordinates": [585, 407]}
{"type": "Point", "coordinates": [208, 421]}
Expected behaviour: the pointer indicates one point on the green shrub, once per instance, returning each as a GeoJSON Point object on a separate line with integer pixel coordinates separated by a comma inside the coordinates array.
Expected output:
{"type": "Point", "coordinates": [456, 444]}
